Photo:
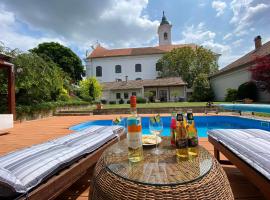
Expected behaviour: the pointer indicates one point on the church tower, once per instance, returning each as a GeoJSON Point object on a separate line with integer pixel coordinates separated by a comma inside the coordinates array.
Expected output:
{"type": "Point", "coordinates": [164, 31]}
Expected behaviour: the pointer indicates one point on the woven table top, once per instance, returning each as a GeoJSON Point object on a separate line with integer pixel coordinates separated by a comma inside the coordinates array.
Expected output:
{"type": "Point", "coordinates": [165, 169]}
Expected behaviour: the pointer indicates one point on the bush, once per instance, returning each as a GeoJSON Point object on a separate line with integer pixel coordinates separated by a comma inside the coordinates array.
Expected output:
{"type": "Point", "coordinates": [202, 90]}
{"type": "Point", "coordinates": [103, 101]}
{"type": "Point", "coordinates": [128, 101]}
{"type": "Point", "coordinates": [112, 102]}
{"type": "Point", "coordinates": [231, 95]}
{"type": "Point", "coordinates": [141, 100]}
{"type": "Point", "coordinates": [248, 90]}
{"type": "Point", "coordinates": [90, 89]}
{"type": "Point", "coordinates": [121, 101]}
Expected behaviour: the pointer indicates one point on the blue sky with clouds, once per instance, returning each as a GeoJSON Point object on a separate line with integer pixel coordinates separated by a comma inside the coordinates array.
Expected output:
{"type": "Point", "coordinates": [225, 26]}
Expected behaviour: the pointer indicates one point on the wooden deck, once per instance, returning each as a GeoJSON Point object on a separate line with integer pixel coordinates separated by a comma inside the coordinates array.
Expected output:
{"type": "Point", "coordinates": [33, 132]}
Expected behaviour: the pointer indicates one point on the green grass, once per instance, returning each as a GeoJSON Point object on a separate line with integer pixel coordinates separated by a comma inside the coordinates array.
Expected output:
{"type": "Point", "coordinates": [155, 105]}
{"type": "Point", "coordinates": [262, 114]}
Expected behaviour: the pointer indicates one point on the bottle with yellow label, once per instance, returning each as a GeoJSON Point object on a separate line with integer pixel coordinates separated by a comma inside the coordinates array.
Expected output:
{"type": "Point", "coordinates": [134, 133]}
{"type": "Point", "coordinates": [181, 138]}
{"type": "Point", "coordinates": [192, 135]}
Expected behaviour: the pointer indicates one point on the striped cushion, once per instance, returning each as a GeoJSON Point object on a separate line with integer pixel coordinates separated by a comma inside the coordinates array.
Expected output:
{"type": "Point", "coordinates": [252, 145]}
{"type": "Point", "coordinates": [24, 169]}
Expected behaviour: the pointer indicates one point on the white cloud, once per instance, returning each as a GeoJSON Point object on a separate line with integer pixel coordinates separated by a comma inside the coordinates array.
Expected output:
{"type": "Point", "coordinates": [219, 6]}
{"type": "Point", "coordinates": [237, 43]}
{"type": "Point", "coordinates": [12, 39]}
{"type": "Point", "coordinates": [248, 12]}
{"type": "Point", "coordinates": [200, 35]}
{"type": "Point", "coordinates": [116, 23]}
{"type": "Point", "coordinates": [227, 36]}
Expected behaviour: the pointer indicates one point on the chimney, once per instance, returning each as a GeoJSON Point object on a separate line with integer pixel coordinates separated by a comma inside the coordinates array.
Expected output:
{"type": "Point", "coordinates": [258, 42]}
{"type": "Point", "coordinates": [126, 78]}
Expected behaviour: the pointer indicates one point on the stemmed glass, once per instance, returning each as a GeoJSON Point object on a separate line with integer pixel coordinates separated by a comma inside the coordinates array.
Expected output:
{"type": "Point", "coordinates": [119, 121]}
{"type": "Point", "coordinates": [156, 127]}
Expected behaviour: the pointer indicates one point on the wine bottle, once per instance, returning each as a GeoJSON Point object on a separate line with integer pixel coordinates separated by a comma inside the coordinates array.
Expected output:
{"type": "Point", "coordinates": [192, 135]}
{"type": "Point", "coordinates": [181, 138]}
{"type": "Point", "coordinates": [134, 134]}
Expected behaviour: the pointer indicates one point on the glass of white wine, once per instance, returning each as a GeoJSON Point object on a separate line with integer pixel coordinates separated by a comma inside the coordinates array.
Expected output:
{"type": "Point", "coordinates": [156, 127]}
{"type": "Point", "coordinates": [119, 121]}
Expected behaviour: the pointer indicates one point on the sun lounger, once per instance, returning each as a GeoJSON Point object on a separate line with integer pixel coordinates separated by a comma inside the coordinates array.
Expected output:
{"type": "Point", "coordinates": [59, 162]}
{"type": "Point", "coordinates": [248, 150]}
{"type": "Point", "coordinates": [260, 108]}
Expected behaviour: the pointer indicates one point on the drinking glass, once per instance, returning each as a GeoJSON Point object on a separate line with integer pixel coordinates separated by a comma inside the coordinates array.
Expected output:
{"type": "Point", "coordinates": [119, 122]}
{"type": "Point", "coordinates": [156, 127]}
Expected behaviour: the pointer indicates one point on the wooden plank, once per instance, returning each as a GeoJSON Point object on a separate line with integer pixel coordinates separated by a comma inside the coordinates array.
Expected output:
{"type": "Point", "coordinates": [255, 177]}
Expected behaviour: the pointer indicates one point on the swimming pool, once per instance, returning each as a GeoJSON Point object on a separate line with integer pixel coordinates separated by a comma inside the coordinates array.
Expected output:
{"type": "Point", "coordinates": [203, 124]}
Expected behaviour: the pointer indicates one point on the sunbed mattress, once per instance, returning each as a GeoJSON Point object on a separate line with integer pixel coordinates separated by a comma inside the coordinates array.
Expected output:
{"type": "Point", "coordinates": [22, 170]}
{"type": "Point", "coordinates": [262, 108]}
{"type": "Point", "coordinates": [252, 145]}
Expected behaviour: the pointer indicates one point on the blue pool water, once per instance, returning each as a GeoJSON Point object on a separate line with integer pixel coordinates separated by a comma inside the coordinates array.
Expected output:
{"type": "Point", "coordinates": [203, 124]}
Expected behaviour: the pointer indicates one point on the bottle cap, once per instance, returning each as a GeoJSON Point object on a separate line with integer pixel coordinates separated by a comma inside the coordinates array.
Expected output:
{"type": "Point", "coordinates": [133, 101]}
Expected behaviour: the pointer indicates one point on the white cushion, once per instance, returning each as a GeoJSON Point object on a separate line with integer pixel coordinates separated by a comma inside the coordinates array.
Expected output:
{"type": "Point", "coordinates": [22, 170]}
{"type": "Point", "coordinates": [252, 145]}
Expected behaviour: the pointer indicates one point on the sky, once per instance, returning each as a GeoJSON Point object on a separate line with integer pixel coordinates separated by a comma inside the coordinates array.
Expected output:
{"type": "Point", "coordinates": [227, 27]}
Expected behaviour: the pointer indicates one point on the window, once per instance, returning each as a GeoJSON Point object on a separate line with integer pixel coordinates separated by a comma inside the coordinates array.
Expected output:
{"type": "Point", "coordinates": [165, 36]}
{"type": "Point", "coordinates": [118, 95]}
{"type": "Point", "coordinates": [138, 68]}
{"type": "Point", "coordinates": [157, 67]}
{"type": "Point", "coordinates": [98, 71]}
{"type": "Point", "coordinates": [138, 79]}
{"type": "Point", "coordinates": [118, 69]}
{"type": "Point", "coordinates": [125, 95]}
{"type": "Point", "coordinates": [133, 93]}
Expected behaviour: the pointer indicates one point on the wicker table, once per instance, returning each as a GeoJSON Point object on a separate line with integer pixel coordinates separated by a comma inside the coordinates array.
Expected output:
{"type": "Point", "coordinates": [159, 177]}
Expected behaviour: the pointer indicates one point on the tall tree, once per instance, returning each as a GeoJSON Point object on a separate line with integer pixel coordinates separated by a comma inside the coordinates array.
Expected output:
{"type": "Point", "coordinates": [260, 72]}
{"type": "Point", "coordinates": [37, 80]}
{"type": "Point", "coordinates": [64, 57]}
{"type": "Point", "coordinates": [187, 63]}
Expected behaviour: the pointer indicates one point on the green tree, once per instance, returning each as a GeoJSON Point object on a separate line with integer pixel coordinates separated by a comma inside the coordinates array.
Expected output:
{"type": "Point", "coordinates": [37, 79]}
{"type": "Point", "coordinates": [231, 95]}
{"type": "Point", "coordinates": [64, 57]}
{"type": "Point", "coordinates": [187, 63]}
{"type": "Point", "coordinates": [202, 90]}
{"type": "Point", "coordinates": [90, 89]}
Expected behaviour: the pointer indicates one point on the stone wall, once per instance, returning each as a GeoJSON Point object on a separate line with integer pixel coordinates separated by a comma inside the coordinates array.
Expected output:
{"type": "Point", "coordinates": [195, 109]}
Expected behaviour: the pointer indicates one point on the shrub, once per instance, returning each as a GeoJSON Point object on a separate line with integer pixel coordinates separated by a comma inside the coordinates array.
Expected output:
{"type": "Point", "coordinates": [128, 101]}
{"type": "Point", "coordinates": [231, 94]}
{"type": "Point", "coordinates": [202, 90]}
{"type": "Point", "coordinates": [121, 101]}
{"type": "Point", "coordinates": [90, 89]}
{"type": "Point", "coordinates": [248, 90]}
{"type": "Point", "coordinates": [63, 96]}
{"type": "Point", "coordinates": [141, 100]}
{"type": "Point", "coordinates": [103, 101]}
{"type": "Point", "coordinates": [112, 102]}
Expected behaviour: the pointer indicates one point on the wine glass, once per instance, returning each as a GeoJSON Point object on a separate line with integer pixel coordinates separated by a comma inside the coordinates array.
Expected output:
{"type": "Point", "coordinates": [119, 121]}
{"type": "Point", "coordinates": [156, 127]}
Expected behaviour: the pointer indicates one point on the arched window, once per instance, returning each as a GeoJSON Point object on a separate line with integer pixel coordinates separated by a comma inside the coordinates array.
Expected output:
{"type": "Point", "coordinates": [118, 69]}
{"type": "Point", "coordinates": [138, 68]}
{"type": "Point", "coordinates": [165, 36]}
{"type": "Point", "coordinates": [138, 79]}
{"type": "Point", "coordinates": [98, 71]}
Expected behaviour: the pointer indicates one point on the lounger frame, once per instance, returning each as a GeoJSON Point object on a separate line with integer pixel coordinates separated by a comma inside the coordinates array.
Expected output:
{"type": "Point", "coordinates": [252, 174]}
{"type": "Point", "coordinates": [58, 183]}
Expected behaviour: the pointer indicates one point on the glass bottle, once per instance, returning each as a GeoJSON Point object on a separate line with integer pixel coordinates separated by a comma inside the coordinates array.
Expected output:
{"type": "Point", "coordinates": [181, 138]}
{"type": "Point", "coordinates": [134, 133]}
{"type": "Point", "coordinates": [173, 128]}
{"type": "Point", "coordinates": [192, 135]}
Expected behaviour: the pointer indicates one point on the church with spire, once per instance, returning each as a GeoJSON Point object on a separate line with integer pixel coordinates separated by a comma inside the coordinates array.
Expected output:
{"type": "Point", "coordinates": [132, 64]}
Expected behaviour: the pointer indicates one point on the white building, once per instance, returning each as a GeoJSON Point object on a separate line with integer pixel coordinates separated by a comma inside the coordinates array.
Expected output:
{"type": "Point", "coordinates": [237, 73]}
{"type": "Point", "coordinates": [136, 63]}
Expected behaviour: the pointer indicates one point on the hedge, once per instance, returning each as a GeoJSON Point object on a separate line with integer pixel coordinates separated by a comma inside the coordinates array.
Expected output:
{"type": "Point", "coordinates": [46, 106]}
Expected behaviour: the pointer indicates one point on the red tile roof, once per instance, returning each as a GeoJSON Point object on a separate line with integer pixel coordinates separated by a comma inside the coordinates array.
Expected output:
{"type": "Point", "coordinates": [246, 59]}
{"type": "Point", "coordinates": [101, 52]}
{"type": "Point", "coordinates": [137, 84]}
